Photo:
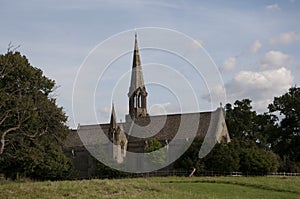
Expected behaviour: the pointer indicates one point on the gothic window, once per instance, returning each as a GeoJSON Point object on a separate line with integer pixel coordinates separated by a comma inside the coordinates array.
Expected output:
{"type": "Point", "coordinates": [140, 100]}
{"type": "Point", "coordinates": [134, 101]}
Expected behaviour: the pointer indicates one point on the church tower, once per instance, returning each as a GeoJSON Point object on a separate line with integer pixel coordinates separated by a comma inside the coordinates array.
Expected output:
{"type": "Point", "coordinates": [113, 124]}
{"type": "Point", "coordinates": [137, 92]}
{"type": "Point", "coordinates": [117, 136]}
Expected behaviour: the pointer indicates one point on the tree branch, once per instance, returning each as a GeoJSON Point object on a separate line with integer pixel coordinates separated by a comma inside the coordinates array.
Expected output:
{"type": "Point", "coordinates": [3, 138]}
{"type": "Point", "coordinates": [36, 134]}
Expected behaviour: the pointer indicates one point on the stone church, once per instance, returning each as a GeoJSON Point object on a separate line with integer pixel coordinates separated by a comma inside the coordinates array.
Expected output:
{"type": "Point", "coordinates": [131, 136]}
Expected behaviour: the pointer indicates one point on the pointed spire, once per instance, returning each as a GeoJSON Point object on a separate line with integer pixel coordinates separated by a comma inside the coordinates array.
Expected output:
{"type": "Point", "coordinates": [113, 120]}
{"type": "Point", "coordinates": [137, 92]}
{"type": "Point", "coordinates": [137, 80]}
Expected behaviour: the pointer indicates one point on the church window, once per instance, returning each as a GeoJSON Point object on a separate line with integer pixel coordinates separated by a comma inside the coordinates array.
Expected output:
{"type": "Point", "coordinates": [134, 101]}
{"type": "Point", "coordinates": [140, 101]}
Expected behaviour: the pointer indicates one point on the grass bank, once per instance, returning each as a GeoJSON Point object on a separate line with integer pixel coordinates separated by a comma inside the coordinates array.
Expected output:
{"type": "Point", "coordinates": [163, 187]}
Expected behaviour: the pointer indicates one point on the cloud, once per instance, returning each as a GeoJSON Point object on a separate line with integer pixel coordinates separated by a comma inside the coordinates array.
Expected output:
{"type": "Point", "coordinates": [255, 46]}
{"type": "Point", "coordinates": [229, 64]}
{"type": "Point", "coordinates": [286, 38]}
{"type": "Point", "coordinates": [275, 59]}
{"type": "Point", "coordinates": [261, 87]}
{"type": "Point", "coordinates": [273, 8]}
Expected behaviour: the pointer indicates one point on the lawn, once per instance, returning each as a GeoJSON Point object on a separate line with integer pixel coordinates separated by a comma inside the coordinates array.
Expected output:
{"type": "Point", "coordinates": [163, 187]}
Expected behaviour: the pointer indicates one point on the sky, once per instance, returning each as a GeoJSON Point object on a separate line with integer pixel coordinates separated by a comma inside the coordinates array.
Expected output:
{"type": "Point", "coordinates": [253, 44]}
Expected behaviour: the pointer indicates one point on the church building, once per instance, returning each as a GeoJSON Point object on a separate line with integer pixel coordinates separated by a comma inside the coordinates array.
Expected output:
{"type": "Point", "coordinates": [124, 135]}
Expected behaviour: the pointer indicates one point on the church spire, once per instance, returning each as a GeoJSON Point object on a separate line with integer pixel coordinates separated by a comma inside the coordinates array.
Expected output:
{"type": "Point", "coordinates": [113, 120]}
{"type": "Point", "coordinates": [137, 80]}
{"type": "Point", "coordinates": [137, 92]}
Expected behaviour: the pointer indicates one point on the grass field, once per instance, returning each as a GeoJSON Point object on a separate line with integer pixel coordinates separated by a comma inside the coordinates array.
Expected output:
{"type": "Point", "coordinates": [163, 187]}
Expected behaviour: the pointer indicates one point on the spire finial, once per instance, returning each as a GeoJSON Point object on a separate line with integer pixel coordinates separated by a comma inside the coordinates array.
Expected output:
{"type": "Point", "coordinates": [113, 120]}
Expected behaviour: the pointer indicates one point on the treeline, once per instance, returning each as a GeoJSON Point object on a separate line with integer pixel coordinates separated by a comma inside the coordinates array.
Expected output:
{"type": "Point", "coordinates": [261, 143]}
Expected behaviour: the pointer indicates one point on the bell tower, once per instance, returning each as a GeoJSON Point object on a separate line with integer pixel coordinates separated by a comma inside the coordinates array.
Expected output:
{"type": "Point", "coordinates": [137, 92]}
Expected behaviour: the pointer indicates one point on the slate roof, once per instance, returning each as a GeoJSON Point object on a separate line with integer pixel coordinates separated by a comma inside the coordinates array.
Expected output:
{"type": "Point", "coordinates": [162, 127]}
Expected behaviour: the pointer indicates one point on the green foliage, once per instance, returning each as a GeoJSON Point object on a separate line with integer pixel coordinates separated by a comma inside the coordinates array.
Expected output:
{"type": "Point", "coordinates": [238, 155]}
{"type": "Point", "coordinates": [286, 142]}
{"type": "Point", "coordinates": [256, 160]}
{"type": "Point", "coordinates": [223, 158]}
{"type": "Point", "coordinates": [245, 124]}
{"type": "Point", "coordinates": [190, 159]}
{"type": "Point", "coordinates": [239, 119]}
{"type": "Point", "coordinates": [244, 156]}
{"type": "Point", "coordinates": [32, 127]}
{"type": "Point", "coordinates": [157, 156]}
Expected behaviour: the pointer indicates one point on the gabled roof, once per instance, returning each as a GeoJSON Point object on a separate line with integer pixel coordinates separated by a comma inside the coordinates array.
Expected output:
{"type": "Point", "coordinates": [200, 123]}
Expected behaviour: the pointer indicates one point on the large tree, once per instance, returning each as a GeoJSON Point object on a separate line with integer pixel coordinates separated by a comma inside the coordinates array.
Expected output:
{"type": "Point", "coordinates": [245, 124]}
{"type": "Point", "coordinates": [286, 142]}
{"type": "Point", "coordinates": [32, 126]}
{"type": "Point", "coordinates": [239, 119]}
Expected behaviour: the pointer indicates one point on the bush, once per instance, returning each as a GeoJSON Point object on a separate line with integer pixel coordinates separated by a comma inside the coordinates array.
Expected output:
{"type": "Point", "coordinates": [223, 158]}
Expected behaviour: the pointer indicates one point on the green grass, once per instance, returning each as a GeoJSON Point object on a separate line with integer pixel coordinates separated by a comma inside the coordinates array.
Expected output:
{"type": "Point", "coordinates": [168, 187]}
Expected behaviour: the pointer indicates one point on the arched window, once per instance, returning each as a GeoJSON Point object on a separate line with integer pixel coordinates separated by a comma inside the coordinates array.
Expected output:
{"type": "Point", "coordinates": [140, 100]}
{"type": "Point", "coordinates": [134, 101]}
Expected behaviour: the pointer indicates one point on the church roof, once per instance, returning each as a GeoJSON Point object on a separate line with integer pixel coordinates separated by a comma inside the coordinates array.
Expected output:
{"type": "Point", "coordinates": [211, 123]}
{"type": "Point", "coordinates": [137, 80]}
{"type": "Point", "coordinates": [185, 123]}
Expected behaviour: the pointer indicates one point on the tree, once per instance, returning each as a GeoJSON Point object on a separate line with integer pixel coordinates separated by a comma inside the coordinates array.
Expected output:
{"type": "Point", "coordinates": [245, 124]}
{"type": "Point", "coordinates": [239, 119]}
{"type": "Point", "coordinates": [265, 126]}
{"type": "Point", "coordinates": [157, 157]}
{"type": "Point", "coordinates": [252, 135]}
{"type": "Point", "coordinates": [223, 158]}
{"type": "Point", "coordinates": [255, 160]}
{"type": "Point", "coordinates": [286, 142]}
{"type": "Point", "coordinates": [190, 159]}
{"type": "Point", "coordinates": [241, 155]}
{"type": "Point", "coordinates": [32, 127]}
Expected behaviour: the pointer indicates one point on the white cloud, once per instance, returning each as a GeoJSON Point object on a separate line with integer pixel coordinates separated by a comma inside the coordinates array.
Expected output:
{"type": "Point", "coordinates": [275, 59]}
{"type": "Point", "coordinates": [261, 87]}
{"type": "Point", "coordinates": [229, 64]}
{"type": "Point", "coordinates": [273, 8]}
{"type": "Point", "coordinates": [255, 46]}
{"type": "Point", "coordinates": [286, 38]}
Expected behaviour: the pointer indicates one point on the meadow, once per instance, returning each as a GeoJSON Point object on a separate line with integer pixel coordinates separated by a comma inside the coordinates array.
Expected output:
{"type": "Point", "coordinates": [157, 187]}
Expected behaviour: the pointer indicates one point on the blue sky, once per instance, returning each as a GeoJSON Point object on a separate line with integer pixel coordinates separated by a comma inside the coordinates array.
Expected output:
{"type": "Point", "coordinates": [255, 44]}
